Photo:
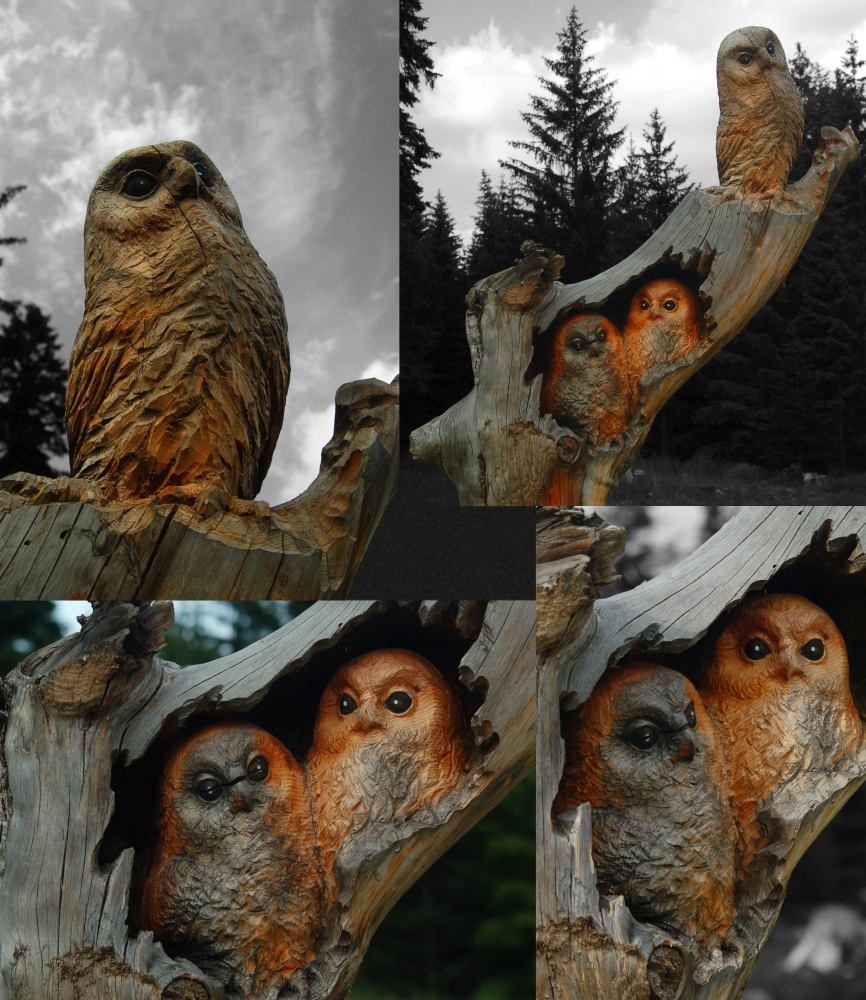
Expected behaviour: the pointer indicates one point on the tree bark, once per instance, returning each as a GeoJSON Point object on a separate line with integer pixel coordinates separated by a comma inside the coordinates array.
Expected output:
{"type": "Point", "coordinates": [55, 547]}
{"type": "Point", "coordinates": [590, 945]}
{"type": "Point", "coordinates": [733, 250]}
{"type": "Point", "coordinates": [82, 707]}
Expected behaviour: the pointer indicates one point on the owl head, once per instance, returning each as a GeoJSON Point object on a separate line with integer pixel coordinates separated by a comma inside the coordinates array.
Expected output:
{"type": "Point", "coordinates": [778, 642]}
{"type": "Point", "coordinates": [147, 191]}
{"type": "Point", "coordinates": [390, 696]}
{"type": "Point", "coordinates": [664, 299]}
{"type": "Point", "coordinates": [750, 63]}
{"type": "Point", "coordinates": [228, 777]}
{"type": "Point", "coordinates": [643, 729]}
{"type": "Point", "coordinates": [584, 341]}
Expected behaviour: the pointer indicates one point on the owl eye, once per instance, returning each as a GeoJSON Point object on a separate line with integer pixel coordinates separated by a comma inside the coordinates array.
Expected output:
{"type": "Point", "coordinates": [139, 184]}
{"type": "Point", "coordinates": [771, 48]}
{"type": "Point", "coordinates": [347, 704]}
{"type": "Point", "coordinates": [257, 769]}
{"type": "Point", "coordinates": [813, 650]}
{"type": "Point", "coordinates": [744, 58]}
{"type": "Point", "coordinates": [204, 174]}
{"type": "Point", "coordinates": [578, 344]}
{"type": "Point", "coordinates": [644, 737]}
{"type": "Point", "coordinates": [602, 336]}
{"type": "Point", "coordinates": [691, 718]}
{"type": "Point", "coordinates": [756, 649]}
{"type": "Point", "coordinates": [669, 304]}
{"type": "Point", "coordinates": [398, 702]}
{"type": "Point", "coordinates": [644, 304]}
{"type": "Point", "coordinates": [208, 789]}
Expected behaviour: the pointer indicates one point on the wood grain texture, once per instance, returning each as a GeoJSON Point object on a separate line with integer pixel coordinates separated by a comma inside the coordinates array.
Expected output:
{"type": "Point", "coordinates": [589, 945]}
{"type": "Point", "coordinates": [60, 538]}
{"type": "Point", "coordinates": [64, 911]}
{"type": "Point", "coordinates": [733, 244]}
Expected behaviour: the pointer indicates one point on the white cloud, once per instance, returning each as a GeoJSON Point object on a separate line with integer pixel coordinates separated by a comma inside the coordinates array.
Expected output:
{"type": "Point", "coordinates": [384, 368]}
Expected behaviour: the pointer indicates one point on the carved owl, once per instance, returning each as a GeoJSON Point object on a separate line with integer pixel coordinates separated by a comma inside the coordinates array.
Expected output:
{"type": "Point", "coordinates": [389, 739]}
{"type": "Point", "coordinates": [180, 369]}
{"type": "Point", "coordinates": [589, 385]}
{"type": "Point", "coordinates": [646, 756]}
{"type": "Point", "coordinates": [663, 324]}
{"type": "Point", "coordinates": [236, 883]}
{"type": "Point", "coordinates": [777, 685]}
{"type": "Point", "coordinates": [760, 112]}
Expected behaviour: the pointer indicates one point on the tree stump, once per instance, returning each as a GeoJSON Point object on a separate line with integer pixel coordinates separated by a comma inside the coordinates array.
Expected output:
{"type": "Point", "coordinates": [725, 249]}
{"type": "Point", "coordinates": [88, 718]}
{"type": "Point", "coordinates": [54, 547]}
{"type": "Point", "coordinates": [590, 945]}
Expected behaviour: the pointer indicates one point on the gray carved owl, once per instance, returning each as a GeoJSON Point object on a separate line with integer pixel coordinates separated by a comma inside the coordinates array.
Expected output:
{"type": "Point", "coordinates": [760, 112]}
{"type": "Point", "coordinates": [235, 884]}
{"type": "Point", "coordinates": [180, 369]}
{"type": "Point", "coordinates": [644, 753]}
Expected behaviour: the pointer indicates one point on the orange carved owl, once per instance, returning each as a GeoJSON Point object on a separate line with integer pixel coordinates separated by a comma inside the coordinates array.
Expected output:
{"type": "Point", "coordinates": [179, 372]}
{"type": "Point", "coordinates": [389, 739]}
{"type": "Point", "coordinates": [589, 385]}
{"type": "Point", "coordinates": [777, 685]}
{"type": "Point", "coordinates": [235, 884]}
{"type": "Point", "coordinates": [663, 324]}
{"type": "Point", "coordinates": [644, 753]}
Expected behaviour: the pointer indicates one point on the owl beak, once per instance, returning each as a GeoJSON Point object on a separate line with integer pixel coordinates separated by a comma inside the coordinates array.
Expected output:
{"type": "Point", "coordinates": [240, 804]}
{"type": "Point", "coordinates": [366, 720]}
{"type": "Point", "coordinates": [686, 749]}
{"type": "Point", "coordinates": [183, 180]}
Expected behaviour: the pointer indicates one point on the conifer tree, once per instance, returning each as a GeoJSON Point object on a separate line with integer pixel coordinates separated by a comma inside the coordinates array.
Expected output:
{"type": "Point", "coordinates": [665, 182]}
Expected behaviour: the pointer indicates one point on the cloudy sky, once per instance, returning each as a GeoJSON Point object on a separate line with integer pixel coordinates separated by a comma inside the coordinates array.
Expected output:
{"type": "Point", "coordinates": [659, 53]}
{"type": "Point", "coordinates": [295, 101]}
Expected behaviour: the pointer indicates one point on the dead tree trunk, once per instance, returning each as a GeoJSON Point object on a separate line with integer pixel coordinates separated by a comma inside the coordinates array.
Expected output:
{"type": "Point", "coordinates": [590, 945]}
{"type": "Point", "coordinates": [84, 715]}
{"type": "Point", "coordinates": [728, 251]}
{"type": "Point", "coordinates": [54, 547]}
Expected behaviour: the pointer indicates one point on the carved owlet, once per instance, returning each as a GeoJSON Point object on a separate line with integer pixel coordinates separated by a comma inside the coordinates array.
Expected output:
{"type": "Point", "coordinates": [389, 739]}
{"type": "Point", "coordinates": [760, 112]}
{"type": "Point", "coordinates": [235, 885]}
{"type": "Point", "coordinates": [589, 385]}
{"type": "Point", "coordinates": [663, 324]}
{"type": "Point", "coordinates": [645, 755]}
{"type": "Point", "coordinates": [180, 369]}
{"type": "Point", "coordinates": [777, 685]}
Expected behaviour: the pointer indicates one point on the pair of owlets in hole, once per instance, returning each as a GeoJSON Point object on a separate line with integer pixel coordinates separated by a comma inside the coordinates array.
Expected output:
{"type": "Point", "coordinates": [242, 876]}
{"type": "Point", "coordinates": [593, 375]}
{"type": "Point", "coordinates": [678, 775]}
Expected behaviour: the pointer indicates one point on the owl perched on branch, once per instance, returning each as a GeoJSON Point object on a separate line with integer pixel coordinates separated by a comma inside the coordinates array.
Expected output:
{"type": "Point", "coordinates": [389, 739]}
{"type": "Point", "coordinates": [760, 113]}
{"type": "Point", "coordinates": [643, 752]}
{"type": "Point", "coordinates": [236, 883]}
{"type": "Point", "coordinates": [179, 372]}
{"type": "Point", "coordinates": [777, 684]}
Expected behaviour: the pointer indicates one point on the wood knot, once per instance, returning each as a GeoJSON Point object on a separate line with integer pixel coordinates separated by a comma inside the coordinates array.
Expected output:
{"type": "Point", "coordinates": [568, 450]}
{"type": "Point", "coordinates": [665, 972]}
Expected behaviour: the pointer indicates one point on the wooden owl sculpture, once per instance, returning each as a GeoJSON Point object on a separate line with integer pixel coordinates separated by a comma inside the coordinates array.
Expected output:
{"type": "Point", "coordinates": [643, 752]}
{"type": "Point", "coordinates": [760, 113]}
{"type": "Point", "coordinates": [235, 885]}
{"type": "Point", "coordinates": [589, 385]}
{"type": "Point", "coordinates": [663, 324]}
{"type": "Point", "coordinates": [180, 369]}
{"type": "Point", "coordinates": [389, 739]}
{"type": "Point", "coordinates": [777, 685]}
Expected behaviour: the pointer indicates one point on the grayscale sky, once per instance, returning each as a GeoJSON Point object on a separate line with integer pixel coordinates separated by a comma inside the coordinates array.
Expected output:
{"type": "Point", "coordinates": [660, 53]}
{"type": "Point", "coordinates": [296, 103]}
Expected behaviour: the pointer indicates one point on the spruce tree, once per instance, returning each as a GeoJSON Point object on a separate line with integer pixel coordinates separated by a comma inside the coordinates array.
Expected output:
{"type": "Point", "coordinates": [628, 225]}
{"type": "Point", "coordinates": [500, 228]}
{"type": "Point", "coordinates": [567, 183]}
{"type": "Point", "coordinates": [6, 195]}
{"type": "Point", "coordinates": [664, 180]}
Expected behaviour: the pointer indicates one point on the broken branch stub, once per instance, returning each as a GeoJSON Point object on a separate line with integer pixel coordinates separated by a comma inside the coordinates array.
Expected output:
{"type": "Point", "coordinates": [88, 716]}
{"type": "Point", "coordinates": [810, 564]}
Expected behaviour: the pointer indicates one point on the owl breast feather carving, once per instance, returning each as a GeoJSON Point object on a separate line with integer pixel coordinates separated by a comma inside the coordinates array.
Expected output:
{"type": "Point", "coordinates": [760, 113]}
{"type": "Point", "coordinates": [643, 752]}
{"type": "Point", "coordinates": [236, 884]}
{"type": "Point", "coordinates": [179, 372]}
{"type": "Point", "coordinates": [777, 684]}
{"type": "Point", "coordinates": [389, 739]}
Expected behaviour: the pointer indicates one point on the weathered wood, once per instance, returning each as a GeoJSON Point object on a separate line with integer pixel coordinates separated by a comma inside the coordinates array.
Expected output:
{"type": "Point", "coordinates": [589, 945]}
{"type": "Point", "coordinates": [727, 249]}
{"type": "Point", "coordinates": [51, 547]}
{"type": "Point", "coordinates": [91, 702]}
